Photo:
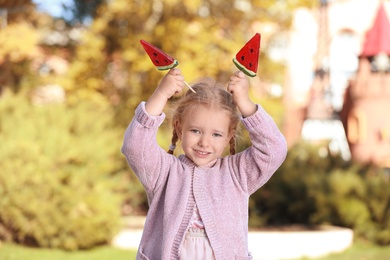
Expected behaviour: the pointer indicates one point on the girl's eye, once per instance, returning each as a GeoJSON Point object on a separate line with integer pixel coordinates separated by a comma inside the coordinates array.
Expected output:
{"type": "Point", "coordinates": [217, 135]}
{"type": "Point", "coordinates": [195, 131]}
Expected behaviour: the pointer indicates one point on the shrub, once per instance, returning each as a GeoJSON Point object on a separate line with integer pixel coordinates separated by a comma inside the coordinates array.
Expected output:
{"type": "Point", "coordinates": [311, 190]}
{"type": "Point", "coordinates": [58, 173]}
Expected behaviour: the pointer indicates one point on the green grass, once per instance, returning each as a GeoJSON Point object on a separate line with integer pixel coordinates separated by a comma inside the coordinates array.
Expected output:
{"type": "Point", "coordinates": [17, 252]}
{"type": "Point", "coordinates": [360, 251]}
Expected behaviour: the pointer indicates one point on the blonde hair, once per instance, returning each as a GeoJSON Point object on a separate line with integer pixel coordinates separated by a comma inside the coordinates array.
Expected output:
{"type": "Point", "coordinates": [208, 94]}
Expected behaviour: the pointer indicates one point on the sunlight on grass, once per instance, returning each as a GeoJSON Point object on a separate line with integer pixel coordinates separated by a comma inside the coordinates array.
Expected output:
{"type": "Point", "coordinates": [16, 252]}
{"type": "Point", "coordinates": [360, 251]}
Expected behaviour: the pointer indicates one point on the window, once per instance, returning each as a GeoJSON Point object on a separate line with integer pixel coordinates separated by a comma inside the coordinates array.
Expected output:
{"type": "Point", "coordinates": [357, 126]}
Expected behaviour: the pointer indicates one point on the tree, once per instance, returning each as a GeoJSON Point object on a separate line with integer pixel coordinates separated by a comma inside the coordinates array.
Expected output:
{"type": "Point", "coordinates": [203, 35]}
{"type": "Point", "coordinates": [84, 9]}
{"type": "Point", "coordinates": [12, 11]}
{"type": "Point", "coordinates": [15, 17]}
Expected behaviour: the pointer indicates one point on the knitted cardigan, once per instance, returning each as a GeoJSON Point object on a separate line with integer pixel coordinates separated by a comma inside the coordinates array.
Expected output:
{"type": "Point", "coordinates": [220, 190]}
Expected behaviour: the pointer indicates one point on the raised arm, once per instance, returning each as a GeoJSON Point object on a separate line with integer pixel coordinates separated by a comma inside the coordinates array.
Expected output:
{"type": "Point", "coordinates": [254, 166]}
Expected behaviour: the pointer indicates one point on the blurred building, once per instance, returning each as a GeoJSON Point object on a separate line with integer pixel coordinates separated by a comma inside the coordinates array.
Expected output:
{"type": "Point", "coordinates": [335, 89]}
{"type": "Point", "coordinates": [14, 10]}
{"type": "Point", "coordinates": [367, 99]}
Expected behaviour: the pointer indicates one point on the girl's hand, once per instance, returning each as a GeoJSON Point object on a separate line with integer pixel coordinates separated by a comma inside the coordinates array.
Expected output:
{"type": "Point", "coordinates": [239, 87]}
{"type": "Point", "coordinates": [171, 84]}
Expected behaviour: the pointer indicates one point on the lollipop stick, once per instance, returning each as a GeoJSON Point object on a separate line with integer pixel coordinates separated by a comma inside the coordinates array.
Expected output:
{"type": "Point", "coordinates": [189, 87]}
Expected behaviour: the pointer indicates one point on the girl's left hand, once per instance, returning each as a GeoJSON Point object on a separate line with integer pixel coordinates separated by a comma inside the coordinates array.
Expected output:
{"type": "Point", "coordinates": [239, 87]}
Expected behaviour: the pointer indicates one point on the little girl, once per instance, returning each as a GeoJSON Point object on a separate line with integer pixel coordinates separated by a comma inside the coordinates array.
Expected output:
{"type": "Point", "coordinates": [198, 202]}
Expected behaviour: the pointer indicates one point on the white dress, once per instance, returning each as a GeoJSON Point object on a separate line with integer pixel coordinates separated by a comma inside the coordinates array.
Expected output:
{"type": "Point", "coordinates": [196, 245]}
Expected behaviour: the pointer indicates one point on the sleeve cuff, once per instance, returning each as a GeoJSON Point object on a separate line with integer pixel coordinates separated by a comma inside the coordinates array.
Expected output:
{"type": "Point", "coordinates": [147, 120]}
{"type": "Point", "coordinates": [256, 119]}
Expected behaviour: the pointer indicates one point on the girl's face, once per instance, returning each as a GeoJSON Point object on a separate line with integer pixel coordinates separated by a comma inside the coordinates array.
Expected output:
{"type": "Point", "coordinates": [204, 134]}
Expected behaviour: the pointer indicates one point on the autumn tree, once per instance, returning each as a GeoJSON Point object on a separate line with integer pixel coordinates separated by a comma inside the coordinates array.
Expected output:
{"type": "Point", "coordinates": [14, 53]}
{"type": "Point", "coordinates": [202, 35]}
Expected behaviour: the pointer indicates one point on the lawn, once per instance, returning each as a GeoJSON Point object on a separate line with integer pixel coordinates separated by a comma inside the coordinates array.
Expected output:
{"type": "Point", "coordinates": [361, 251]}
{"type": "Point", "coordinates": [16, 252]}
{"type": "Point", "coordinates": [358, 251]}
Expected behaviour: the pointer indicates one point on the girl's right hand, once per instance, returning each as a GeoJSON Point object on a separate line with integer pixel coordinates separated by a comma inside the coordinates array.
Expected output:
{"type": "Point", "coordinates": [171, 84]}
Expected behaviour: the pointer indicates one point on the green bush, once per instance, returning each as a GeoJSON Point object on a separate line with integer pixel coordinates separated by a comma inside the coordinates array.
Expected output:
{"type": "Point", "coordinates": [312, 190]}
{"type": "Point", "coordinates": [59, 173]}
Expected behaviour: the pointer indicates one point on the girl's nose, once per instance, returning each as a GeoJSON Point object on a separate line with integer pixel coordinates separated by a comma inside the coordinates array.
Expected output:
{"type": "Point", "coordinates": [204, 141]}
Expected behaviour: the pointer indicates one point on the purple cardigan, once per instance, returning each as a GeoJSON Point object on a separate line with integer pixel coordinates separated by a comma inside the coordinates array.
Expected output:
{"type": "Point", "coordinates": [221, 192]}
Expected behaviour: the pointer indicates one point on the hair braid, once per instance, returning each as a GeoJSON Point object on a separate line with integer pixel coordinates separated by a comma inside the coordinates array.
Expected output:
{"type": "Point", "coordinates": [174, 140]}
{"type": "Point", "coordinates": [232, 144]}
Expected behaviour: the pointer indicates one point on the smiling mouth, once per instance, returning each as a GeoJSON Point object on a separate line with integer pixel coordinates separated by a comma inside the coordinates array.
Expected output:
{"type": "Point", "coordinates": [202, 153]}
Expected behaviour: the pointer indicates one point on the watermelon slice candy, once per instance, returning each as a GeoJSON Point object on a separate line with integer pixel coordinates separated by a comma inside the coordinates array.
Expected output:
{"type": "Point", "coordinates": [160, 59]}
{"type": "Point", "coordinates": [247, 58]}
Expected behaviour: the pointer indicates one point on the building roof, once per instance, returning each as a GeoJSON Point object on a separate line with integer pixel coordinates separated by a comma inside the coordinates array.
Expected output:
{"type": "Point", "coordinates": [378, 37]}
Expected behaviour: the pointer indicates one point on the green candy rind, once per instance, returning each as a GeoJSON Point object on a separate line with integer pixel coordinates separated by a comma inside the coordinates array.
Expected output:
{"type": "Point", "coordinates": [243, 69]}
{"type": "Point", "coordinates": [170, 66]}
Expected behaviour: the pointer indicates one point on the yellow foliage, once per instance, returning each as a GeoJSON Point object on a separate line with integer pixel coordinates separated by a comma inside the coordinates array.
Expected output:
{"type": "Point", "coordinates": [192, 5]}
{"type": "Point", "coordinates": [99, 24]}
{"type": "Point", "coordinates": [118, 5]}
{"type": "Point", "coordinates": [94, 83]}
{"type": "Point", "coordinates": [11, 44]}
{"type": "Point", "coordinates": [172, 2]}
{"type": "Point", "coordinates": [111, 60]}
